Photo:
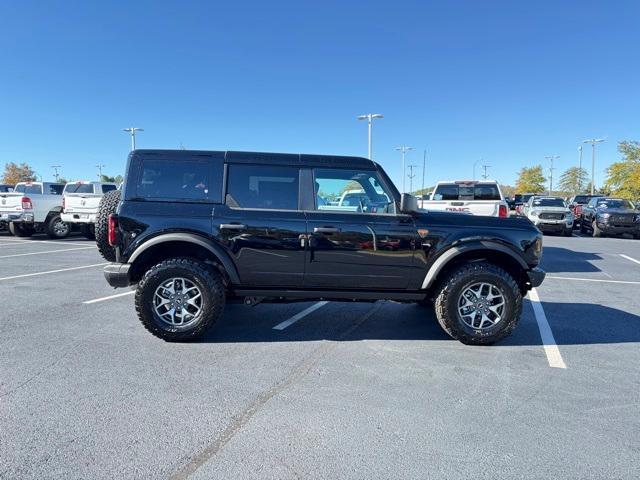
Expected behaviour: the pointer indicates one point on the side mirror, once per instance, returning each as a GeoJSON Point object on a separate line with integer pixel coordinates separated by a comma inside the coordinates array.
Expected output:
{"type": "Point", "coordinates": [408, 203]}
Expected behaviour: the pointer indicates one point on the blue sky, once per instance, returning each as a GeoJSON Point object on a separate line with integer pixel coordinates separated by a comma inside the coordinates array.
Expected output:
{"type": "Point", "coordinates": [507, 81]}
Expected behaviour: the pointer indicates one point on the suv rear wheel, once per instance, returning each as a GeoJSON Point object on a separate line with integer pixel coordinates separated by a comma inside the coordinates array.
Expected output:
{"type": "Point", "coordinates": [180, 299]}
{"type": "Point", "coordinates": [478, 304]}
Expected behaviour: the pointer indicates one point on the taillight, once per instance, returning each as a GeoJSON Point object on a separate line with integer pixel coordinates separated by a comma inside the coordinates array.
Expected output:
{"type": "Point", "coordinates": [503, 211]}
{"type": "Point", "coordinates": [112, 234]}
{"type": "Point", "coordinates": [26, 203]}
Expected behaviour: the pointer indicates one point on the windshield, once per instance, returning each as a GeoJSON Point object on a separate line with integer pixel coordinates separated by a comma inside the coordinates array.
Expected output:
{"type": "Point", "coordinates": [548, 202]}
{"type": "Point", "coordinates": [24, 188]}
{"type": "Point", "coordinates": [454, 191]}
{"type": "Point", "coordinates": [615, 203]}
{"type": "Point", "coordinates": [79, 188]}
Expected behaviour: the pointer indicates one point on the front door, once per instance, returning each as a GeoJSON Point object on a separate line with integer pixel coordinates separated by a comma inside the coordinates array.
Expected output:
{"type": "Point", "coordinates": [356, 239]}
{"type": "Point", "coordinates": [262, 226]}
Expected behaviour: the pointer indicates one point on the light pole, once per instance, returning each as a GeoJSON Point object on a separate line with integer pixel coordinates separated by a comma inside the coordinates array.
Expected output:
{"type": "Point", "coordinates": [579, 169]}
{"type": "Point", "coordinates": [424, 168]}
{"type": "Point", "coordinates": [411, 175]}
{"type": "Point", "coordinates": [369, 117]}
{"type": "Point", "coordinates": [55, 169]}
{"type": "Point", "coordinates": [100, 166]}
{"type": "Point", "coordinates": [551, 158]}
{"type": "Point", "coordinates": [132, 131]}
{"type": "Point", "coordinates": [403, 149]}
{"type": "Point", "coordinates": [484, 168]}
{"type": "Point", "coordinates": [593, 142]}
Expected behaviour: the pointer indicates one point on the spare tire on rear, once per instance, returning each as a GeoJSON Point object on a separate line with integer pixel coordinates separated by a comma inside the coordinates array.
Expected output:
{"type": "Point", "coordinates": [108, 206]}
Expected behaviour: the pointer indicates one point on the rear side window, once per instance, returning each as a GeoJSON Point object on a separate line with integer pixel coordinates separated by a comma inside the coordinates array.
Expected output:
{"type": "Point", "coordinates": [56, 189]}
{"type": "Point", "coordinates": [181, 180]}
{"type": "Point", "coordinates": [451, 191]}
{"type": "Point", "coordinates": [108, 188]}
{"type": "Point", "coordinates": [79, 188]}
{"type": "Point", "coordinates": [263, 186]}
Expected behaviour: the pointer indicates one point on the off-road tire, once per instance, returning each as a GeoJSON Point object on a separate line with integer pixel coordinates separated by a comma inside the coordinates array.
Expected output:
{"type": "Point", "coordinates": [596, 232]}
{"type": "Point", "coordinates": [18, 230]}
{"type": "Point", "coordinates": [453, 285]}
{"type": "Point", "coordinates": [88, 231]}
{"type": "Point", "coordinates": [206, 278]}
{"type": "Point", "coordinates": [54, 227]}
{"type": "Point", "coordinates": [108, 205]}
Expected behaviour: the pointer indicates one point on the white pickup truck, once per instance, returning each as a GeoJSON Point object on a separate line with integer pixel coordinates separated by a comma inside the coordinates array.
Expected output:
{"type": "Point", "coordinates": [467, 196]}
{"type": "Point", "coordinates": [80, 204]}
{"type": "Point", "coordinates": [34, 207]}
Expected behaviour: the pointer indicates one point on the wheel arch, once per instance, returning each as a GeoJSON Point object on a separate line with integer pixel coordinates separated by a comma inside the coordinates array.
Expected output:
{"type": "Point", "coordinates": [181, 245]}
{"type": "Point", "coordinates": [491, 252]}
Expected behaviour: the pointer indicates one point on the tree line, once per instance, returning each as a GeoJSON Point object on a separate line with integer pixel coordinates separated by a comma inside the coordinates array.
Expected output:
{"type": "Point", "coordinates": [15, 173]}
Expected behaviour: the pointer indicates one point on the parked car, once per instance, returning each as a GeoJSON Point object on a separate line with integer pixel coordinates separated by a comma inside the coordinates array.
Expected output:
{"type": "Point", "coordinates": [34, 207]}
{"type": "Point", "coordinates": [468, 196]}
{"type": "Point", "coordinates": [550, 214]}
{"type": "Point", "coordinates": [4, 188]}
{"type": "Point", "coordinates": [610, 216]}
{"type": "Point", "coordinates": [194, 230]}
{"type": "Point", "coordinates": [521, 200]}
{"type": "Point", "coordinates": [80, 202]}
{"type": "Point", "coordinates": [576, 204]}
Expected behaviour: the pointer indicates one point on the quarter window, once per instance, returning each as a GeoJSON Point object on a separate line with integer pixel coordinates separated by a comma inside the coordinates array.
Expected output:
{"type": "Point", "coordinates": [263, 186]}
{"type": "Point", "coordinates": [354, 191]}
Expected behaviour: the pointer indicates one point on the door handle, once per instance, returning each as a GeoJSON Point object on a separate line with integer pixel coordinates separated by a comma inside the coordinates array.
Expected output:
{"type": "Point", "coordinates": [325, 230]}
{"type": "Point", "coordinates": [232, 226]}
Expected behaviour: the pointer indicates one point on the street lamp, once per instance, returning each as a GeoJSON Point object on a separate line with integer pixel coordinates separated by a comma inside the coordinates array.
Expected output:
{"type": "Point", "coordinates": [403, 149]}
{"type": "Point", "coordinates": [593, 142]}
{"type": "Point", "coordinates": [579, 169]}
{"type": "Point", "coordinates": [369, 117]}
{"type": "Point", "coordinates": [132, 131]}
{"type": "Point", "coordinates": [551, 158]}
{"type": "Point", "coordinates": [100, 166]}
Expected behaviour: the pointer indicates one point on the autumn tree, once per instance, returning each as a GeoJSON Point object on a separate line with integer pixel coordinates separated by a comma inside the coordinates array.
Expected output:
{"type": "Point", "coordinates": [14, 173]}
{"type": "Point", "coordinates": [623, 177]}
{"type": "Point", "coordinates": [530, 180]}
{"type": "Point", "coordinates": [573, 180]}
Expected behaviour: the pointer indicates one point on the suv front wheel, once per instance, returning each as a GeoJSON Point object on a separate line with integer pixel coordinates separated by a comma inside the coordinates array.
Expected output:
{"type": "Point", "coordinates": [180, 299]}
{"type": "Point", "coordinates": [478, 304]}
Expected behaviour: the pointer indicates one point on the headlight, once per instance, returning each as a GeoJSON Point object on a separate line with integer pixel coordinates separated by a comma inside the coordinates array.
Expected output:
{"type": "Point", "coordinates": [604, 215]}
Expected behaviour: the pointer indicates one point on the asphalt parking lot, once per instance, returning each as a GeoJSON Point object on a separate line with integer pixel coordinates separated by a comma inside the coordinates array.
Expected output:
{"type": "Point", "coordinates": [308, 390]}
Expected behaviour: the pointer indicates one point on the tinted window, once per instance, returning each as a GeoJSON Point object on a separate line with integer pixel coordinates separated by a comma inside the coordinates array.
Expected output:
{"type": "Point", "coordinates": [54, 189]}
{"type": "Point", "coordinates": [351, 191]}
{"type": "Point", "coordinates": [5, 188]}
{"type": "Point", "coordinates": [78, 188]}
{"type": "Point", "coordinates": [108, 188]}
{"type": "Point", "coordinates": [548, 202]}
{"type": "Point", "coordinates": [451, 191]}
{"type": "Point", "coordinates": [37, 189]}
{"type": "Point", "coordinates": [189, 180]}
{"type": "Point", "coordinates": [263, 186]}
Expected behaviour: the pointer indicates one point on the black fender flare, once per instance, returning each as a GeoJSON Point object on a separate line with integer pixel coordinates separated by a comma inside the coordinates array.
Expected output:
{"type": "Point", "coordinates": [216, 250]}
{"type": "Point", "coordinates": [454, 251]}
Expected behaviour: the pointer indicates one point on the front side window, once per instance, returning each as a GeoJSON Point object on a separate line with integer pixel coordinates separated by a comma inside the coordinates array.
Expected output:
{"type": "Point", "coordinates": [269, 187]}
{"type": "Point", "coordinates": [340, 190]}
{"type": "Point", "coordinates": [186, 180]}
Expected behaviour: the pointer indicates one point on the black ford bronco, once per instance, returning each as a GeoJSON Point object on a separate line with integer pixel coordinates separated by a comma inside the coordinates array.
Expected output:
{"type": "Point", "coordinates": [193, 230]}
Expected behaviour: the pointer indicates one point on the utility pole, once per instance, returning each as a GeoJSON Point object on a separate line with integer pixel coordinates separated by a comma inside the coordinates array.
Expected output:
{"type": "Point", "coordinates": [100, 166]}
{"type": "Point", "coordinates": [55, 168]}
{"type": "Point", "coordinates": [424, 167]}
{"type": "Point", "coordinates": [369, 117]}
{"type": "Point", "coordinates": [551, 158]}
{"type": "Point", "coordinates": [132, 131]}
{"type": "Point", "coordinates": [593, 142]}
{"type": "Point", "coordinates": [579, 169]}
{"type": "Point", "coordinates": [411, 175]}
{"type": "Point", "coordinates": [484, 168]}
{"type": "Point", "coordinates": [404, 149]}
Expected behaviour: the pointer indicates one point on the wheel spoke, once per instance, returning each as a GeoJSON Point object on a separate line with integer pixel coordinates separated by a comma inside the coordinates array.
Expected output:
{"type": "Point", "coordinates": [178, 302]}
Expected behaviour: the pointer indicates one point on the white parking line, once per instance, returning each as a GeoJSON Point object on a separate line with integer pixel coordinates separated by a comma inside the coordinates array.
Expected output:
{"type": "Point", "coordinates": [47, 251]}
{"type": "Point", "coordinates": [629, 258]}
{"type": "Point", "coordinates": [53, 271]}
{"type": "Point", "coordinates": [628, 282]}
{"type": "Point", "coordinates": [12, 242]}
{"type": "Point", "coordinates": [117, 295]}
{"type": "Point", "coordinates": [548, 342]}
{"type": "Point", "coordinates": [298, 316]}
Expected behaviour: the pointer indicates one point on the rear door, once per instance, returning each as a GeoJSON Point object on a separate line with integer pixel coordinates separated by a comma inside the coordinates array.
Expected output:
{"type": "Point", "coordinates": [356, 245]}
{"type": "Point", "coordinates": [262, 224]}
